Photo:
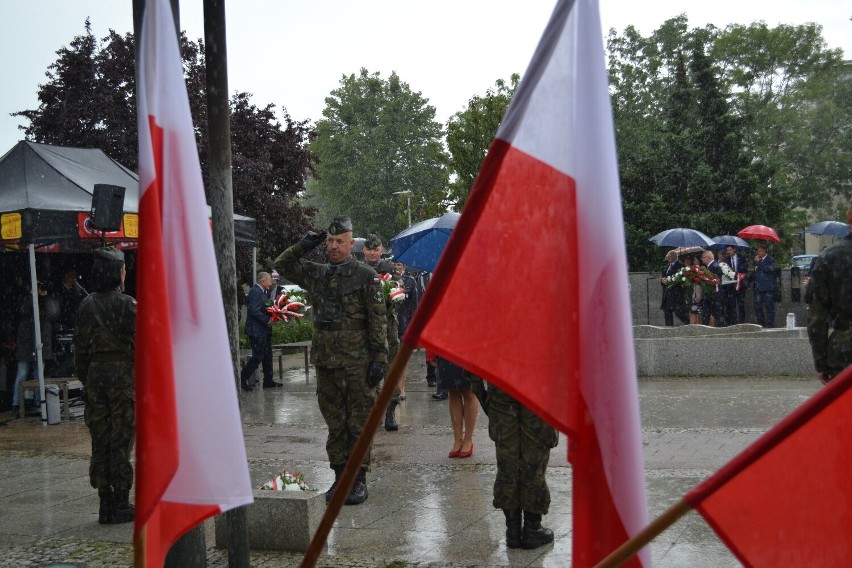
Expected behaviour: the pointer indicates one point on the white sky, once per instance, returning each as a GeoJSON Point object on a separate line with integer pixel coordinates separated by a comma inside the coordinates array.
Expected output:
{"type": "Point", "coordinates": [293, 52]}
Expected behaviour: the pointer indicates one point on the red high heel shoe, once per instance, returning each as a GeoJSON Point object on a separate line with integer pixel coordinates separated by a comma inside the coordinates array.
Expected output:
{"type": "Point", "coordinates": [468, 453]}
{"type": "Point", "coordinates": [454, 453]}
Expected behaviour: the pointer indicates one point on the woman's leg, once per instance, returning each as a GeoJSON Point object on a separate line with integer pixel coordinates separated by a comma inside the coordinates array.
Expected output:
{"type": "Point", "coordinates": [456, 405]}
{"type": "Point", "coordinates": [471, 412]}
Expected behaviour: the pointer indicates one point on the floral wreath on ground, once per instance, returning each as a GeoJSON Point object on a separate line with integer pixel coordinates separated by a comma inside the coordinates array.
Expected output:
{"type": "Point", "coordinates": [689, 275]}
{"type": "Point", "coordinates": [392, 290]}
{"type": "Point", "coordinates": [286, 307]}
{"type": "Point", "coordinates": [286, 481]}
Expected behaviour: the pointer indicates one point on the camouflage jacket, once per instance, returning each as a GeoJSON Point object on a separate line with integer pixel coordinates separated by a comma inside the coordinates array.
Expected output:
{"type": "Point", "coordinates": [105, 340]}
{"type": "Point", "coordinates": [350, 323]}
{"type": "Point", "coordinates": [386, 267]}
{"type": "Point", "coordinates": [830, 315]}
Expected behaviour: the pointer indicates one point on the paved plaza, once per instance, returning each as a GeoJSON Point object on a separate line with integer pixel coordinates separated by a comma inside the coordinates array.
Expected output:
{"type": "Point", "coordinates": [424, 509]}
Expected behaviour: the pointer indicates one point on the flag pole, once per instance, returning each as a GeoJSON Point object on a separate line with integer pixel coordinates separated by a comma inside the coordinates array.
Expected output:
{"type": "Point", "coordinates": [624, 552]}
{"type": "Point", "coordinates": [353, 464]}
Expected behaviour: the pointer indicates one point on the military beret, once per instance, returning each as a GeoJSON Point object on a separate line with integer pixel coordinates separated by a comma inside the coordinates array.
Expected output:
{"type": "Point", "coordinates": [340, 225]}
{"type": "Point", "coordinates": [373, 241]}
{"type": "Point", "coordinates": [109, 253]}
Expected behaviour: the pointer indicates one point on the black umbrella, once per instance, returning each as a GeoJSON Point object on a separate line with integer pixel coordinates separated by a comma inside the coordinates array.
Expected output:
{"type": "Point", "coordinates": [829, 228]}
{"type": "Point", "coordinates": [682, 238]}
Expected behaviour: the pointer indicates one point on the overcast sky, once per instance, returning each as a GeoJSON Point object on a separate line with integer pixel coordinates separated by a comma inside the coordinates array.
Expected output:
{"type": "Point", "coordinates": [293, 52]}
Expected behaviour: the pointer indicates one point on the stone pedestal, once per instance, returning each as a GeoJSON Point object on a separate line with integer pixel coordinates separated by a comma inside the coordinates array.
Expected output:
{"type": "Point", "coordinates": [279, 520]}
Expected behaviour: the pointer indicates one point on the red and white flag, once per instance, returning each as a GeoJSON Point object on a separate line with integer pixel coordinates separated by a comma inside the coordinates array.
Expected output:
{"type": "Point", "coordinates": [531, 292]}
{"type": "Point", "coordinates": [190, 453]}
{"type": "Point", "coordinates": [785, 500]}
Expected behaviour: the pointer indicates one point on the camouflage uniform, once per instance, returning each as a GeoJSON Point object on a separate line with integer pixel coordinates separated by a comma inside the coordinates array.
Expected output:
{"type": "Point", "coordinates": [523, 442]}
{"type": "Point", "coordinates": [349, 333]}
{"type": "Point", "coordinates": [829, 294]}
{"type": "Point", "coordinates": [386, 267]}
{"type": "Point", "coordinates": [104, 347]}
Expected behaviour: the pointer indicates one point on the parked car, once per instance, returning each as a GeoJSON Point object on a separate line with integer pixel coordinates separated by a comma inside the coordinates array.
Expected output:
{"type": "Point", "coordinates": [802, 262]}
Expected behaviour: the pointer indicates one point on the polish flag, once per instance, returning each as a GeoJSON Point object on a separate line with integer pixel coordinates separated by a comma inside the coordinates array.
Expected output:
{"type": "Point", "coordinates": [531, 292]}
{"type": "Point", "coordinates": [785, 500]}
{"type": "Point", "coordinates": [190, 453]}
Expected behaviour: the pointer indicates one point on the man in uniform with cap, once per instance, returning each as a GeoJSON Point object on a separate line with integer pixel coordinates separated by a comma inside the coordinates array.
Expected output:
{"type": "Point", "coordinates": [830, 316]}
{"type": "Point", "coordinates": [104, 348]}
{"type": "Point", "coordinates": [349, 344]}
{"type": "Point", "coordinates": [373, 250]}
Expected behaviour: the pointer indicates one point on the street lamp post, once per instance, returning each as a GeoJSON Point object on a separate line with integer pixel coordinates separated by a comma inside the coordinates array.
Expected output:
{"type": "Point", "coordinates": [406, 193]}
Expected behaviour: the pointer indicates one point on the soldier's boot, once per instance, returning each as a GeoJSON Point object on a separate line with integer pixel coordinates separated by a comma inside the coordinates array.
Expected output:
{"type": "Point", "coordinates": [534, 534]}
{"type": "Point", "coordinates": [122, 510]}
{"type": "Point", "coordinates": [105, 509]}
{"type": "Point", "coordinates": [513, 528]}
{"type": "Point", "coordinates": [390, 417]}
{"type": "Point", "coordinates": [338, 471]}
{"type": "Point", "coordinates": [359, 489]}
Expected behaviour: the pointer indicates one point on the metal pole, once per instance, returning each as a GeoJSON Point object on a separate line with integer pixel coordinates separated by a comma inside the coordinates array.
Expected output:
{"type": "Point", "coordinates": [36, 339]}
{"type": "Point", "coordinates": [406, 193]}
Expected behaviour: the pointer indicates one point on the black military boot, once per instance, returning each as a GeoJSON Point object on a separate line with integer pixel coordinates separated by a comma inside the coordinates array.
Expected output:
{"type": "Point", "coordinates": [513, 528]}
{"type": "Point", "coordinates": [338, 471]}
{"type": "Point", "coordinates": [122, 510]}
{"type": "Point", "coordinates": [390, 417]}
{"type": "Point", "coordinates": [105, 510]}
{"type": "Point", "coordinates": [359, 489]}
{"type": "Point", "coordinates": [535, 535]}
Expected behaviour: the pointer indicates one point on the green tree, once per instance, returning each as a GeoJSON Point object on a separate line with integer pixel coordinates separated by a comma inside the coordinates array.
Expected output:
{"type": "Point", "coordinates": [470, 133]}
{"type": "Point", "coordinates": [89, 100]}
{"type": "Point", "coordinates": [378, 137]}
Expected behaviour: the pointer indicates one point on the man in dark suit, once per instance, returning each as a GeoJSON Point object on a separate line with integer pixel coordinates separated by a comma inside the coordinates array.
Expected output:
{"type": "Point", "coordinates": [764, 288]}
{"type": "Point", "coordinates": [711, 298]}
{"type": "Point", "coordinates": [736, 297]}
{"type": "Point", "coordinates": [259, 331]}
{"type": "Point", "coordinates": [673, 302]}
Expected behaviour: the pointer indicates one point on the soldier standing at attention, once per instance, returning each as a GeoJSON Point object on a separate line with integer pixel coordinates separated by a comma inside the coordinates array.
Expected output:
{"type": "Point", "coordinates": [349, 344]}
{"type": "Point", "coordinates": [104, 347]}
{"type": "Point", "coordinates": [373, 250]}
{"type": "Point", "coordinates": [523, 442]}
{"type": "Point", "coordinates": [830, 316]}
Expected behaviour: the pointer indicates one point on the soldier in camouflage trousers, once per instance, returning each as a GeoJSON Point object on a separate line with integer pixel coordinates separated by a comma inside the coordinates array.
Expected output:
{"type": "Point", "coordinates": [523, 442]}
{"type": "Point", "coordinates": [373, 249]}
{"type": "Point", "coordinates": [349, 343]}
{"type": "Point", "coordinates": [829, 294]}
{"type": "Point", "coordinates": [104, 348]}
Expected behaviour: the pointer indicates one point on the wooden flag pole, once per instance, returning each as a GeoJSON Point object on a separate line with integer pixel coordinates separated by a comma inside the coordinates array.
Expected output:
{"type": "Point", "coordinates": [624, 552]}
{"type": "Point", "coordinates": [357, 456]}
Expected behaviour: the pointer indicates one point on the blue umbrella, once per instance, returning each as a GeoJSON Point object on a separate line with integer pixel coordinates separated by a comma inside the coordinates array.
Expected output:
{"type": "Point", "coordinates": [829, 228]}
{"type": "Point", "coordinates": [421, 245]}
{"type": "Point", "coordinates": [682, 238]}
{"type": "Point", "coordinates": [725, 240]}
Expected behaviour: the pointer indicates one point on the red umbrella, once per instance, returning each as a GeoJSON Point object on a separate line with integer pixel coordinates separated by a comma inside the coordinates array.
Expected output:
{"type": "Point", "coordinates": [761, 232]}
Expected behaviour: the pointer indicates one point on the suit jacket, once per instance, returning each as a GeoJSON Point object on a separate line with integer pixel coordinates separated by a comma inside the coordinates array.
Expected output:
{"type": "Point", "coordinates": [764, 274]}
{"type": "Point", "coordinates": [742, 263]}
{"type": "Point", "coordinates": [673, 295]}
{"type": "Point", "coordinates": [716, 269]}
{"type": "Point", "coordinates": [257, 318]}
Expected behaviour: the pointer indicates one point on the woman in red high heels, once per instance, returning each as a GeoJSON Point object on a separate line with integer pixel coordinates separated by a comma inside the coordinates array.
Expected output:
{"type": "Point", "coordinates": [464, 407]}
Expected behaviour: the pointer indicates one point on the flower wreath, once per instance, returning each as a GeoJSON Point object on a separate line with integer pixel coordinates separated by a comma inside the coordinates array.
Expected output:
{"type": "Point", "coordinates": [392, 290]}
{"type": "Point", "coordinates": [286, 481]}
{"type": "Point", "coordinates": [689, 275]}
{"type": "Point", "coordinates": [286, 307]}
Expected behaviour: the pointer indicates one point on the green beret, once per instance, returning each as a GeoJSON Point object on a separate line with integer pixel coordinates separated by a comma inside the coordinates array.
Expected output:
{"type": "Point", "coordinates": [109, 253]}
{"type": "Point", "coordinates": [372, 241]}
{"type": "Point", "coordinates": [340, 225]}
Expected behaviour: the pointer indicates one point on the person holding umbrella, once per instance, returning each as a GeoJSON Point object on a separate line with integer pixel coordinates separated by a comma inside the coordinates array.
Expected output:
{"type": "Point", "coordinates": [764, 287]}
{"type": "Point", "coordinates": [673, 303]}
{"type": "Point", "coordinates": [736, 297]}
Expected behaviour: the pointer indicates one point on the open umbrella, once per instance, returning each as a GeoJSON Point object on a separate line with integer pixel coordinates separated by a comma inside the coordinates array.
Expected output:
{"type": "Point", "coordinates": [681, 238]}
{"type": "Point", "coordinates": [760, 232]}
{"type": "Point", "coordinates": [421, 245]}
{"type": "Point", "coordinates": [725, 240]}
{"type": "Point", "coordinates": [829, 228]}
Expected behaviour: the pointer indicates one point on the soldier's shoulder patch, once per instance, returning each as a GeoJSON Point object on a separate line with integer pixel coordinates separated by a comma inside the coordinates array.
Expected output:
{"type": "Point", "coordinates": [376, 279]}
{"type": "Point", "coordinates": [380, 297]}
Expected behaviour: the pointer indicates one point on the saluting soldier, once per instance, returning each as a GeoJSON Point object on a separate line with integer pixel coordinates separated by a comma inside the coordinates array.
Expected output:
{"type": "Point", "coordinates": [373, 249]}
{"type": "Point", "coordinates": [104, 347]}
{"type": "Point", "coordinates": [523, 442]}
{"type": "Point", "coordinates": [829, 294]}
{"type": "Point", "coordinates": [349, 344]}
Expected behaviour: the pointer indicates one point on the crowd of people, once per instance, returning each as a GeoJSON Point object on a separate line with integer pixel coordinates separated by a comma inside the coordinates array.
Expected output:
{"type": "Point", "coordinates": [703, 287]}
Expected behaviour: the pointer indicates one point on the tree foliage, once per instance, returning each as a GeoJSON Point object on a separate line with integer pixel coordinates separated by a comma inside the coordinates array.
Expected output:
{"type": "Point", "coordinates": [89, 100]}
{"type": "Point", "coordinates": [470, 133]}
{"type": "Point", "coordinates": [719, 129]}
{"type": "Point", "coordinates": [378, 137]}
